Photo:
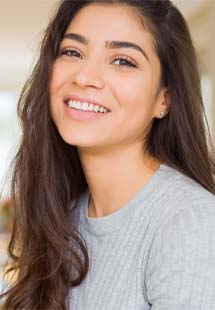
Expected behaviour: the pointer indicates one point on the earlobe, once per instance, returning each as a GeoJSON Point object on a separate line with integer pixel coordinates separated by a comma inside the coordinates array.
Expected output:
{"type": "Point", "coordinates": [165, 103]}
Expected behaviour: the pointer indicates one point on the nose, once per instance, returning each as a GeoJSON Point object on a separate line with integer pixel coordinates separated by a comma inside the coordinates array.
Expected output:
{"type": "Point", "coordinates": [89, 75]}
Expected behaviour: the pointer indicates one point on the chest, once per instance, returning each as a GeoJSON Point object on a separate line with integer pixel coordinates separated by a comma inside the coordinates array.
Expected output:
{"type": "Point", "coordinates": [115, 276]}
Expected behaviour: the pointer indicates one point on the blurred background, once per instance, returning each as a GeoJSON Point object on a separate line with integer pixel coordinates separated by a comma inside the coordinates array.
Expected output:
{"type": "Point", "coordinates": [22, 23]}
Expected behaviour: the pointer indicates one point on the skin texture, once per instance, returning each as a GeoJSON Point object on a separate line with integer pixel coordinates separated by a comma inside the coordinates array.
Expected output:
{"type": "Point", "coordinates": [110, 148]}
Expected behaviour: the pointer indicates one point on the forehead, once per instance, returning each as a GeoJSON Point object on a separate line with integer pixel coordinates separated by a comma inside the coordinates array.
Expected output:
{"type": "Point", "coordinates": [102, 22]}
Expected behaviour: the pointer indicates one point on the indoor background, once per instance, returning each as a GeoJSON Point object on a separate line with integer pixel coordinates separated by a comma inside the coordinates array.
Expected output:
{"type": "Point", "coordinates": [22, 23]}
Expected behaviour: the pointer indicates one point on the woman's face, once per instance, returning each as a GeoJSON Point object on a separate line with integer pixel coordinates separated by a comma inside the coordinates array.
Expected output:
{"type": "Point", "coordinates": [123, 79]}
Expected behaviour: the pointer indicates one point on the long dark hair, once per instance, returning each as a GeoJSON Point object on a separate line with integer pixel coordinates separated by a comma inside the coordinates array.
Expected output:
{"type": "Point", "coordinates": [48, 254]}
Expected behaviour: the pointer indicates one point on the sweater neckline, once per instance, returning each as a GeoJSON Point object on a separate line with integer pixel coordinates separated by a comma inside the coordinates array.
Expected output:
{"type": "Point", "coordinates": [112, 222]}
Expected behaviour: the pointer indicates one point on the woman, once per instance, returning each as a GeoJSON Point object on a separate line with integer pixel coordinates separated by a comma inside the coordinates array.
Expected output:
{"type": "Point", "coordinates": [113, 188]}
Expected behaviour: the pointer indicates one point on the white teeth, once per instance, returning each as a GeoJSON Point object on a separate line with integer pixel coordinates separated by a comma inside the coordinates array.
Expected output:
{"type": "Point", "coordinates": [90, 108]}
{"type": "Point", "coordinates": [77, 104]}
{"type": "Point", "coordinates": [96, 108]}
{"type": "Point", "coordinates": [84, 106]}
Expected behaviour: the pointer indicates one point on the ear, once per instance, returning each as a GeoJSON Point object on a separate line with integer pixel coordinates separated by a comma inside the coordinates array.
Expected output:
{"type": "Point", "coordinates": [163, 103]}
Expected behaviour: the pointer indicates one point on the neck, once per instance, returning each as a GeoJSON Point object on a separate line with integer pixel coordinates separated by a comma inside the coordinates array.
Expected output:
{"type": "Point", "coordinates": [114, 178]}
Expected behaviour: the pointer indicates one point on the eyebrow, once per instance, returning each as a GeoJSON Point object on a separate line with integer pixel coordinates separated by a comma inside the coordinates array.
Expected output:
{"type": "Point", "coordinates": [108, 44]}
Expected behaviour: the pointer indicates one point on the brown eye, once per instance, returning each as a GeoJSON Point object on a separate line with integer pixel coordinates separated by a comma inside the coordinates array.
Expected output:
{"type": "Point", "coordinates": [69, 52]}
{"type": "Point", "coordinates": [126, 62]}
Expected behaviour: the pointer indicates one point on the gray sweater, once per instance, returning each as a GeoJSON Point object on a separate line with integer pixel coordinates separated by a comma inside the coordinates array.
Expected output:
{"type": "Point", "coordinates": [156, 252]}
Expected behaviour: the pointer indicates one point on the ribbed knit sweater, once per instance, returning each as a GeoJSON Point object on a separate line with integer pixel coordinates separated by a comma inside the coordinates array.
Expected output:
{"type": "Point", "coordinates": [156, 252]}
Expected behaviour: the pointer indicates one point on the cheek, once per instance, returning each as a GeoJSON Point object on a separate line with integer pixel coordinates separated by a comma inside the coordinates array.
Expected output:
{"type": "Point", "coordinates": [58, 78]}
{"type": "Point", "coordinates": [136, 100]}
{"type": "Point", "coordinates": [134, 94]}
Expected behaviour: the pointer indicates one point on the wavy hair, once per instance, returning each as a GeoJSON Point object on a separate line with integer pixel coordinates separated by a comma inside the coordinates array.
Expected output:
{"type": "Point", "coordinates": [48, 255]}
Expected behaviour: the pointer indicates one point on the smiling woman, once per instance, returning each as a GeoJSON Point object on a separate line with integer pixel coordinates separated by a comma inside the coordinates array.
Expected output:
{"type": "Point", "coordinates": [112, 187]}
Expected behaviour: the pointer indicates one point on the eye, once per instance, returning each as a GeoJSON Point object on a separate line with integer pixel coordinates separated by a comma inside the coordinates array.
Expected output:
{"type": "Point", "coordinates": [69, 52]}
{"type": "Point", "coordinates": [127, 63]}
{"type": "Point", "coordinates": [73, 53]}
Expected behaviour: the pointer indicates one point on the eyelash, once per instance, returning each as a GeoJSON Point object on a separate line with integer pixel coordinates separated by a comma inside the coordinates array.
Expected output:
{"type": "Point", "coordinates": [124, 58]}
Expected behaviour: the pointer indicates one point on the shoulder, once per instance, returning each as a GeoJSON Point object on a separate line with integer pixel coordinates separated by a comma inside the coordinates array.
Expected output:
{"type": "Point", "coordinates": [183, 194]}
{"type": "Point", "coordinates": [188, 218]}
{"type": "Point", "coordinates": [189, 210]}
{"type": "Point", "coordinates": [181, 262]}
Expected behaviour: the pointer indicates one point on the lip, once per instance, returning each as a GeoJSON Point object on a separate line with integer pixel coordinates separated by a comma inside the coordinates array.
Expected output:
{"type": "Point", "coordinates": [83, 99]}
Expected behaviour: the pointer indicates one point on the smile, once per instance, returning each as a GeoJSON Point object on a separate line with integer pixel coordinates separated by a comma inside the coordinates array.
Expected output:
{"type": "Point", "coordinates": [84, 106]}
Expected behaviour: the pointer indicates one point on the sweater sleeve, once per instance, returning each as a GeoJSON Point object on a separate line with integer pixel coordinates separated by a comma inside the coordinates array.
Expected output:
{"type": "Point", "coordinates": [181, 268]}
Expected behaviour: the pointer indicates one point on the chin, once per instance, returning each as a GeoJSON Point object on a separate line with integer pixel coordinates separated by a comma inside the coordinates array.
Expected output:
{"type": "Point", "coordinates": [82, 139]}
{"type": "Point", "coordinates": [73, 139]}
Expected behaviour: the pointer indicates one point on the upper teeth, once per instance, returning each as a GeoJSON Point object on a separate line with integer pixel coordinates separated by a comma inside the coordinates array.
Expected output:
{"type": "Point", "coordinates": [84, 106]}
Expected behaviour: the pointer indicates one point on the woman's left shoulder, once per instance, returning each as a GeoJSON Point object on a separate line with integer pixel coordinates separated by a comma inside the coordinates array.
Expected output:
{"type": "Point", "coordinates": [186, 200]}
{"type": "Point", "coordinates": [181, 263]}
{"type": "Point", "coordinates": [188, 191]}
